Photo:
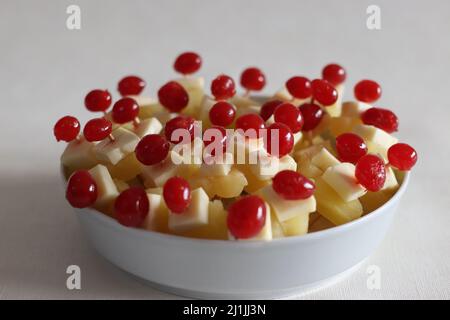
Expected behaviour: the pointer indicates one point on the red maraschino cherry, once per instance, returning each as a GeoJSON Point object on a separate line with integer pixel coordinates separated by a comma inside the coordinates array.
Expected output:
{"type": "Point", "coordinates": [177, 194]}
{"type": "Point", "coordinates": [383, 119]}
{"type": "Point", "coordinates": [152, 149]}
{"type": "Point", "coordinates": [223, 87]}
{"type": "Point", "coordinates": [334, 74]}
{"type": "Point", "coordinates": [98, 129]}
{"type": "Point", "coordinates": [183, 122]}
{"type": "Point", "coordinates": [251, 122]}
{"type": "Point", "coordinates": [291, 185]}
{"type": "Point", "coordinates": [350, 147]}
{"type": "Point", "coordinates": [131, 85]}
{"type": "Point", "coordinates": [367, 91]}
{"type": "Point", "coordinates": [132, 207]}
{"type": "Point", "coordinates": [253, 79]}
{"type": "Point", "coordinates": [279, 134]}
{"type": "Point", "coordinates": [187, 63]}
{"type": "Point", "coordinates": [290, 115]}
{"type": "Point", "coordinates": [246, 217]}
{"type": "Point", "coordinates": [66, 129]}
{"type": "Point", "coordinates": [324, 92]}
{"type": "Point", "coordinates": [98, 100]}
{"type": "Point", "coordinates": [81, 189]}
{"type": "Point", "coordinates": [312, 115]}
{"type": "Point", "coordinates": [125, 110]}
{"type": "Point", "coordinates": [222, 114]}
{"type": "Point", "coordinates": [370, 171]}
{"type": "Point", "coordinates": [299, 87]}
{"type": "Point", "coordinates": [402, 156]}
{"type": "Point", "coordinates": [268, 108]}
{"type": "Point", "coordinates": [173, 96]}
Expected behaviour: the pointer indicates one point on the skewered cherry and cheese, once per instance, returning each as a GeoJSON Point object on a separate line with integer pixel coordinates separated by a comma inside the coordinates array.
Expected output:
{"type": "Point", "coordinates": [158, 174]}
{"type": "Point", "coordinates": [123, 144]}
{"type": "Point", "coordinates": [145, 127]}
{"type": "Point", "coordinates": [341, 178]}
{"type": "Point", "coordinates": [79, 154]}
{"type": "Point", "coordinates": [195, 215]}
{"type": "Point", "coordinates": [106, 188]}
{"type": "Point", "coordinates": [265, 233]}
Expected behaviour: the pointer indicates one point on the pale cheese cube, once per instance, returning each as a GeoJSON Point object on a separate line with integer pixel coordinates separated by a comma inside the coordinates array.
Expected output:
{"type": "Point", "coordinates": [143, 101]}
{"type": "Point", "coordinates": [286, 209]}
{"type": "Point", "coordinates": [335, 109]}
{"type": "Point", "coordinates": [217, 167]}
{"type": "Point", "coordinates": [324, 159]}
{"type": "Point", "coordinates": [145, 127]}
{"type": "Point", "coordinates": [106, 188]}
{"type": "Point", "coordinates": [113, 151]}
{"type": "Point", "coordinates": [341, 178]}
{"type": "Point", "coordinates": [195, 215]}
{"type": "Point", "coordinates": [121, 185]}
{"type": "Point", "coordinates": [284, 95]}
{"type": "Point", "coordinates": [270, 121]}
{"type": "Point", "coordinates": [164, 116]}
{"type": "Point", "coordinates": [158, 215]}
{"type": "Point", "coordinates": [375, 135]}
{"type": "Point", "coordinates": [195, 89]}
{"type": "Point", "coordinates": [391, 182]}
{"type": "Point", "coordinates": [158, 174]}
{"type": "Point", "coordinates": [297, 137]}
{"type": "Point", "coordinates": [353, 109]}
{"type": "Point", "coordinates": [78, 155]}
{"type": "Point", "coordinates": [268, 166]}
{"type": "Point", "coordinates": [205, 106]}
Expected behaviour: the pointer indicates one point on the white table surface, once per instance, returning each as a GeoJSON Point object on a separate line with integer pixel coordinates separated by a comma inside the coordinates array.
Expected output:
{"type": "Point", "coordinates": [45, 71]}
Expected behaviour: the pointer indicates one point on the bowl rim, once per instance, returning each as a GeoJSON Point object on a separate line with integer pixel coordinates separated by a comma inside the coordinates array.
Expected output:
{"type": "Point", "coordinates": [181, 240]}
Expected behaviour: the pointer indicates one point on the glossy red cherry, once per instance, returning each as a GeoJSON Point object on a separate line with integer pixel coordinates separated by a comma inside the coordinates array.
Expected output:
{"type": "Point", "coordinates": [173, 96]}
{"type": "Point", "coordinates": [222, 114]}
{"type": "Point", "coordinates": [253, 79]}
{"type": "Point", "coordinates": [268, 108]}
{"type": "Point", "coordinates": [370, 172]}
{"type": "Point", "coordinates": [97, 129]}
{"type": "Point", "coordinates": [211, 134]}
{"type": "Point", "coordinates": [98, 100]}
{"type": "Point", "coordinates": [324, 92]}
{"type": "Point", "coordinates": [312, 115]}
{"type": "Point", "coordinates": [223, 87]}
{"type": "Point", "coordinates": [290, 115]}
{"type": "Point", "coordinates": [131, 207]}
{"type": "Point", "coordinates": [81, 189]}
{"type": "Point", "coordinates": [246, 217]}
{"type": "Point", "coordinates": [350, 147]}
{"type": "Point", "coordinates": [131, 85]}
{"type": "Point", "coordinates": [299, 87]}
{"type": "Point", "coordinates": [186, 123]}
{"type": "Point", "coordinates": [402, 156]}
{"type": "Point", "coordinates": [125, 110]}
{"type": "Point", "coordinates": [251, 122]}
{"type": "Point", "coordinates": [334, 74]}
{"type": "Point", "coordinates": [177, 194]}
{"type": "Point", "coordinates": [66, 129]}
{"type": "Point", "coordinates": [291, 185]}
{"type": "Point", "coordinates": [367, 91]}
{"type": "Point", "coordinates": [187, 63]}
{"type": "Point", "coordinates": [280, 140]}
{"type": "Point", "coordinates": [152, 149]}
{"type": "Point", "coordinates": [381, 118]}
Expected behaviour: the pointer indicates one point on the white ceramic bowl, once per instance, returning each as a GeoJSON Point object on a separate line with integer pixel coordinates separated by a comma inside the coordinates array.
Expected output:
{"type": "Point", "coordinates": [227, 269]}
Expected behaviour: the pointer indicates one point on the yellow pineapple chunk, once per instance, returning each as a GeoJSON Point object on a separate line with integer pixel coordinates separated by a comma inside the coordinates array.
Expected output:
{"type": "Point", "coordinates": [331, 206]}
{"type": "Point", "coordinates": [229, 186]}
{"type": "Point", "coordinates": [126, 169]}
{"type": "Point", "coordinates": [277, 229]}
{"type": "Point", "coordinates": [217, 224]}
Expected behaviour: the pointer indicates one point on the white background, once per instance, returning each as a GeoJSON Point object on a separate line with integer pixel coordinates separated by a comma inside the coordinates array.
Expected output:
{"type": "Point", "coordinates": [45, 71]}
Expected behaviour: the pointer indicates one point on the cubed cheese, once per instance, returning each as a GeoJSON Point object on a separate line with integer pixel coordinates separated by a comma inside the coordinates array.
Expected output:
{"type": "Point", "coordinates": [217, 166]}
{"type": "Point", "coordinates": [354, 109]}
{"type": "Point", "coordinates": [158, 174]}
{"type": "Point", "coordinates": [143, 101]}
{"type": "Point", "coordinates": [124, 143]}
{"type": "Point", "coordinates": [268, 166]}
{"type": "Point", "coordinates": [324, 159]}
{"type": "Point", "coordinates": [286, 209]}
{"type": "Point", "coordinates": [341, 178]}
{"type": "Point", "coordinates": [78, 155]}
{"type": "Point", "coordinates": [106, 188]}
{"type": "Point", "coordinates": [158, 215]}
{"type": "Point", "coordinates": [145, 127]}
{"type": "Point", "coordinates": [375, 135]}
{"type": "Point", "coordinates": [296, 226]}
{"type": "Point", "coordinates": [265, 233]}
{"type": "Point", "coordinates": [195, 89]}
{"type": "Point", "coordinates": [195, 215]}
